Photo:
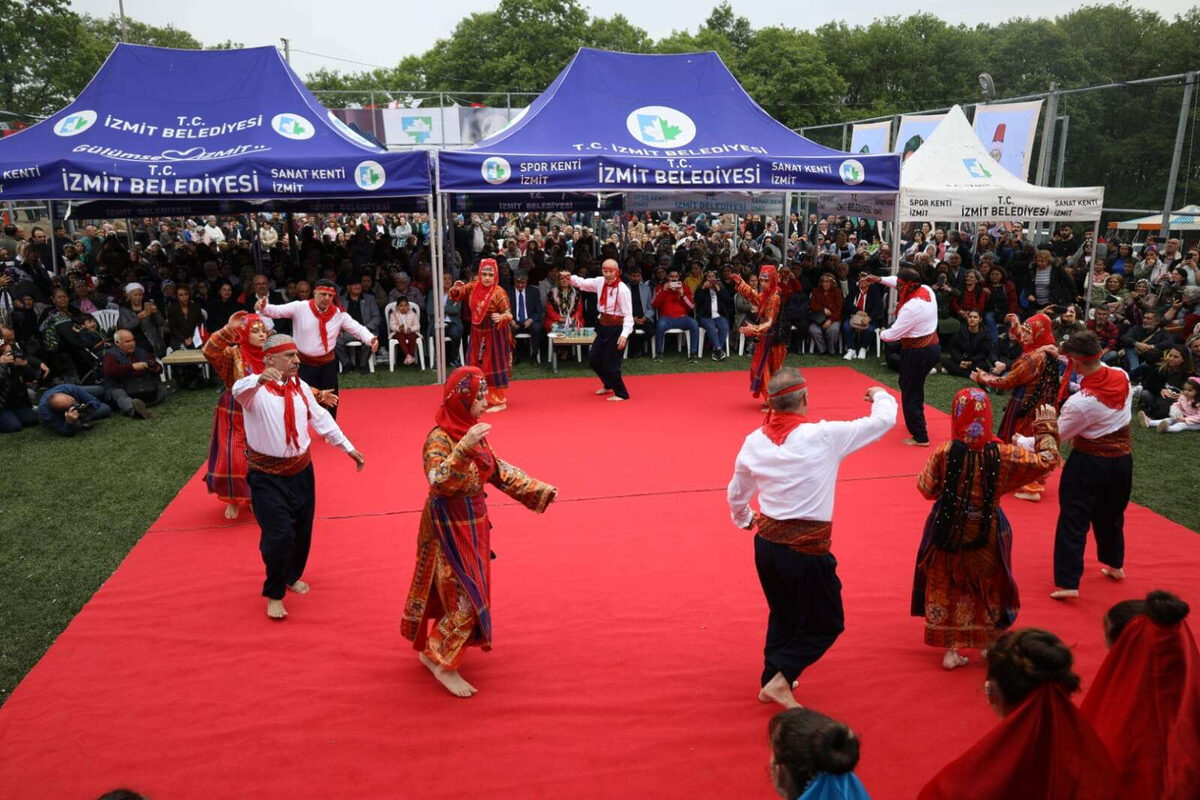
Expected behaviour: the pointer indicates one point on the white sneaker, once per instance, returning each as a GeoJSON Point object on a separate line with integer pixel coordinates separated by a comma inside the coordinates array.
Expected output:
{"type": "Point", "coordinates": [850, 355]}
{"type": "Point", "coordinates": [862, 352]}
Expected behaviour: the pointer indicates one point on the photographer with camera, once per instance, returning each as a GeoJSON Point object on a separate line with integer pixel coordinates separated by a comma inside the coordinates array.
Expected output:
{"type": "Point", "coordinates": [674, 305]}
{"type": "Point", "coordinates": [67, 409]}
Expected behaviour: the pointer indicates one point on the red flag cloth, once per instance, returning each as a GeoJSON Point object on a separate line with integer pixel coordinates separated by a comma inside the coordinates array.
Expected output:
{"type": "Point", "coordinates": [462, 388]}
{"type": "Point", "coordinates": [971, 418]}
{"type": "Point", "coordinates": [1043, 750]}
{"type": "Point", "coordinates": [1144, 703]}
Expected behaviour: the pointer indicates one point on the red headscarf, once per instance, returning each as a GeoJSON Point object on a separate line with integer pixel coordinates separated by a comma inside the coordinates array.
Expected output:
{"type": "Point", "coordinates": [324, 316]}
{"type": "Point", "coordinates": [1145, 705]}
{"type": "Point", "coordinates": [779, 425]}
{"type": "Point", "coordinates": [1043, 750]}
{"type": "Point", "coordinates": [288, 390]}
{"type": "Point", "coordinates": [252, 357]}
{"type": "Point", "coordinates": [481, 297]}
{"type": "Point", "coordinates": [463, 387]}
{"type": "Point", "coordinates": [768, 287]}
{"type": "Point", "coordinates": [1041, 332]}
{"type": "Point", "coordinates": [971, 418]}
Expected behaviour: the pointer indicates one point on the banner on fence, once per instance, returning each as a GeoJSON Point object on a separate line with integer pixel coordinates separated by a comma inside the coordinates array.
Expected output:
{"type": "Point", "coordinates": [1007, 131]}
{"type": "Point", "coordinates": [769, 203]}
{"type": "Point", "coordinates": [871, 137]}
{"type": "Point", "coordinates": [867, 206]}
{"type": "Point", "coordinates": [913, 132]}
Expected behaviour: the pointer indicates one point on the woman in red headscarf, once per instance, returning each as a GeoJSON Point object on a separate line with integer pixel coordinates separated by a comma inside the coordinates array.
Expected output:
{"type": "Point", "coordinates": [1145, 701]}
{"type": "Point", "coordinates": [233, 352]}
{"type": "Point", "coordinates": [1033, 380]}
{"type": "Point", "coordinates": [772, 345]}
{"type": "Point", "coordinates": [491, 330]}
{"type": "Point", "coordinates": [963, 585]}
{"type": "Point", "coordinates": [1044, 749]}
{"type": "Point", "coordinates": [451, 585]}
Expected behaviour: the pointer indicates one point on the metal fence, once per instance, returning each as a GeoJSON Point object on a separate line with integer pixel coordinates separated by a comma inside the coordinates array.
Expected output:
{"type": "Point", "coordinates": [1135, 138]}
{"type": "Point", "coordinates": [397, 118]}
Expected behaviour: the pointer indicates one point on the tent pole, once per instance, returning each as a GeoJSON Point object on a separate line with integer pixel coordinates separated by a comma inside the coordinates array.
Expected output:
{"type": "Point", "coordinates": [438, 331]}
{"type": "Point", "coordinates": [1180, 131]}
{"type": "Point", "coordinates": [895, 268]}
{"type": "Point", "coordinates": [54, 268]}
{"type": "Point", "coordinates": [129, 232]}
{"type": "Point", "coordinates": [1087, 308]}
{"type": "Point", "coordinates": [787, 224]}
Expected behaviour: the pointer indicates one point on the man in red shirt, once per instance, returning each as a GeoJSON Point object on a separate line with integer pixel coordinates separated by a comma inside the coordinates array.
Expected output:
{"type": "Point", "coordinates": [674, 304]}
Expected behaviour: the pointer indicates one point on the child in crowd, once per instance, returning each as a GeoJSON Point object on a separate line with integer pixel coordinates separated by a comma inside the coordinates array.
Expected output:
{"type": "Point", "coordinates": [404, 324]}
{"type": "Point", "coordinates": [1184, 414]}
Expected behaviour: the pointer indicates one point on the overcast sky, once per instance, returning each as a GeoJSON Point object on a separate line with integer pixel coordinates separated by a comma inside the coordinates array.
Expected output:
{"type": "Point", "coordinates": [380, 32]}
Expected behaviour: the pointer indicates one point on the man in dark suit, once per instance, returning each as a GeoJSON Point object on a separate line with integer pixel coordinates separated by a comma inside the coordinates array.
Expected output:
{"type": "Point", "coordinates": [259, 288]}
{"type": "Point", "coordinates": [525, 302]}
{"type": "Point", "coordinates": [451, 315]}
{"type": "Point", "coordinates": [642, 296]}
{"type": "Point", "coordinates": [714, 310]}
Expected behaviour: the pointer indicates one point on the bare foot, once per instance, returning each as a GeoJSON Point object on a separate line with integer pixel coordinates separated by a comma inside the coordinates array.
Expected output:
{"type": "Point", "coordinates": [449, 678]}
{"type": "Point", "coordinates": [914, 443]}
{"type": "Point", "coordinates": [778, 691]}
{"type": "Point", "coordinates": [299, 587]}
{"type": "Point", "coordinates": [275, 609]}
{"type": "Point", "coordinates": [1033, 497]}
{"type": "Point", "coordinates": [952, 660]}
{"type": "Point", "coordinates": [615, 399]}
{"type": "Point", "coordinates": [1113, 573]}
{"type": "Point", "coordinates": [494, 409]}
{"type": "Point", "coordinates": [1064, 594]}
{"type": "Point", "coordinates": [602, 390]}
{"type": "Point", "coordinates": [231, 510]}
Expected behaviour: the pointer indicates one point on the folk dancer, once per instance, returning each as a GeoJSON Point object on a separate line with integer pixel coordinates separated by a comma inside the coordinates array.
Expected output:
{"type": "Point", "coordinates": [771, 349]}
{"type": "Point", "coordinates": [316, 325]}
{"type": "Point", "coordinates": [1034, 381]}
{"type": "Point", "coordinates": [491, 331]}
{"type": "Point", "coordinates": [915, 327]}
{"type": "Point", "coordinates": [963, 584]}
{"type": "Point", "coordinates": [277, 408]}
{"type": "Point", "coordinates": [234, 352]}
{"type": "Point", "coordinates": [615, 307]}
{"type": "Point", "coordinates": [451, 586]}
{"type": "Point", "coordinates": [1098, 476]}
{"type": "Point", "coordinates": [793, 465]}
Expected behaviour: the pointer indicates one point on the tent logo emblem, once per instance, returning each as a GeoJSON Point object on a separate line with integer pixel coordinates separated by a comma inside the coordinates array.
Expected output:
{"type": "Point", "coordinates": [419, 129]}
{"type": "Point", "coordinates": [369, 175]}
{"type": "Point", "coordinates": [75, 123]}
{"type": "Point", "coordinates": [496, 170]}
{"type": "Point", "coordinates": [975, 169]}
{"type": "Point", "coordinates": [852, 172]}
{"type": "Point", "coordinates": [660, 126]}
{"type": "Point", "coordinates": [292, 126]}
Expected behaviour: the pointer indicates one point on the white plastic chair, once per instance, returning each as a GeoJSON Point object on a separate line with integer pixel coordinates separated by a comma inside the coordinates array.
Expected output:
{"type": "Point", "coordinates": [537, 354]}
{"type": "Point", "coordinates": [393, 344]}
{"type": "Point", "coordinates": [700, 346]}
{"type": "Point", "coordinates": [684, 337]}
{"type": "Point", "coordinates": [106, 318]}
{"type": "Point", "coordinates": [432, 355]}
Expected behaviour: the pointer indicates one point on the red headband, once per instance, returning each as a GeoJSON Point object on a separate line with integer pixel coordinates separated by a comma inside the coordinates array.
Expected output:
{"type": "Point", "coordinates": [325, 289]}
{"type": "Point", "coordinates": [795, 387]}
{"type": "Point", "coordinates": [282, 347]}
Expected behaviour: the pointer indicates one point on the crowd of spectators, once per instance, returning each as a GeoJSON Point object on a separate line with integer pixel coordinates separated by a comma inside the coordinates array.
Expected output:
{"type": "Point", "coordinates": [172, 280]}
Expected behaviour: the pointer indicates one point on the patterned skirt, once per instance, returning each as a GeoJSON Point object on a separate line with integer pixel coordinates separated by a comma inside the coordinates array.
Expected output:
{"type": "Point", "coordinates": [768, 358]}
{"type": "Point", "coordinates": [226, 476]}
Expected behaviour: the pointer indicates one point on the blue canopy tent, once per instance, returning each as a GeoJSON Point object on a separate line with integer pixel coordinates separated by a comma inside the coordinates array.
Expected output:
{"type": "Point", "coordinates": [622, 122]}
{"type": "Point", "coordinates": [161, 131]}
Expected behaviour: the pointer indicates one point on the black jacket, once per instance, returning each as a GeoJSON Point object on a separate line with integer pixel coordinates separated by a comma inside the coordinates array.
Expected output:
{"type": "Point", "coordinates": [973, 347]}
{"type": "Point", "coordinates": [703, 300]}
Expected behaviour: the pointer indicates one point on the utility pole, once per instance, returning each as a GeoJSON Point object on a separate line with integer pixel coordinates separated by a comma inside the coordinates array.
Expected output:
{"type": "Point", "coordinates": [287, 49]}
{"type": "Point", "coordinates": [1173, 179]}
{"type": "Point", "coordinates": [124, 26]}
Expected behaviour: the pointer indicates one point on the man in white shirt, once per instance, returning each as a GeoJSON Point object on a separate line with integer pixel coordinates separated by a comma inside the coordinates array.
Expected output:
{"type": "Point", "coordinates": [277, 408]}
{"type": "Point", "coordinates": [1098, 476]}
{"type": "Point", "coordinates": [793, 467]}
{"type": "Point", "coordinates": [212, 232]}
{"type": "Point", "coordinates": [316, 324]}
{"type": "Point", "coordinates": [615, 306]}
{"type": "Point", "coordinates": [916, 329]}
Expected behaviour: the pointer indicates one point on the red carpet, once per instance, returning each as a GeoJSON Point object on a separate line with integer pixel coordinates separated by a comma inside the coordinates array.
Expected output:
{"type": "Point", "coordinates": [628, 624]}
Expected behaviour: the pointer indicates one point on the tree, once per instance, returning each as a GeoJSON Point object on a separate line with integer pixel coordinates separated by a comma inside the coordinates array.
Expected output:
{"type": "Point", "coordinates": [37, 71]}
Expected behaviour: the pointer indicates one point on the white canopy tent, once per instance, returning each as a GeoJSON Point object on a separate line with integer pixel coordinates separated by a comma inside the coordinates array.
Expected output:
{"type": "Point", "coordinates": [952, 178]}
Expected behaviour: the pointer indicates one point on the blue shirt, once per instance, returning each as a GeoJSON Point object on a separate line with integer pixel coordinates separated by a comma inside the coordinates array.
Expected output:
{"type": "Point", "coordinates": [55, 420]}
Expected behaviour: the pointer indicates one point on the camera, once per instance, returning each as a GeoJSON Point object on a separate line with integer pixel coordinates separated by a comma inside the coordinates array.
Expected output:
{"type": "Point", "coordinates": [85, 415]}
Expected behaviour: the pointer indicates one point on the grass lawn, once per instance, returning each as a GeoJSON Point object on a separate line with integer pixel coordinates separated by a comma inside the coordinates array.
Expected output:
{"type": "Point", "coordinates": [75, 507]}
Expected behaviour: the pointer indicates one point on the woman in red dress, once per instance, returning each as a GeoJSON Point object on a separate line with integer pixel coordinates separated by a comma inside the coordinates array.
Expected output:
{"type": "Point", "coordinates": [491, 331]}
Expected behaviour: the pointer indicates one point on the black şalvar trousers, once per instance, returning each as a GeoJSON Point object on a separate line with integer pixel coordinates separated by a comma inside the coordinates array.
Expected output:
{"type": "Point", "coordinates": [605, 359]}
{"type": "Point", "coordinates": [915, 363]}
{"type": "Point", "coordinates": [322, 376]}
{"type": "Point", "coordinates": [1093, 491]}
{"type": "Point", "coordinates": [805, 598]}
{"type": "Point", "coordinates": [283, 506]}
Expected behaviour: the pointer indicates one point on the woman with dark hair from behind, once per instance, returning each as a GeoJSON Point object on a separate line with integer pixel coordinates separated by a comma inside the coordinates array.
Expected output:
{"type": "Point", "coordinates": [1145, 700]}
{"type": "Point", "coordinates": [813, 757]}
{"type": "Point", "coordinates": [1044, 749]}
